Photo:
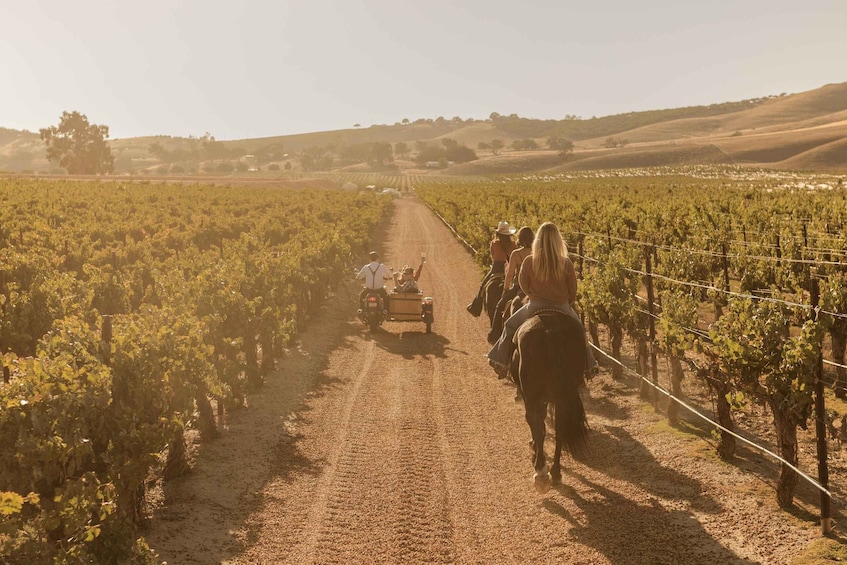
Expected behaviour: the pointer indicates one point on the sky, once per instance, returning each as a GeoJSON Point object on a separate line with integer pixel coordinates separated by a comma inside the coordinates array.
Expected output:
{"type": "Point", "coordinates": [259, 68]}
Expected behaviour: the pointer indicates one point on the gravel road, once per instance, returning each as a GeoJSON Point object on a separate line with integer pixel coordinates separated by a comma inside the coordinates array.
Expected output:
{"type": "Point", "coordinates": [403, 447]}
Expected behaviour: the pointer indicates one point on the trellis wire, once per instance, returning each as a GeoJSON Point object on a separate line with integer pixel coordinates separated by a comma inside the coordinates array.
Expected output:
{"type": "Point", "coordinates": [694, 411]}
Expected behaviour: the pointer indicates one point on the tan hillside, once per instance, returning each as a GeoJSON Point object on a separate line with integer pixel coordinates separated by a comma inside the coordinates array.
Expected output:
{"type": "Point", "coordinates": [798, 131]}
{"type": "Point", "coordinates": [823, 107]}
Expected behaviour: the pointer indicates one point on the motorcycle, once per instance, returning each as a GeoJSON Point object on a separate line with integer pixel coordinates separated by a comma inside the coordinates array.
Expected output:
{"type": "Point", "coordinates": [372, 311]}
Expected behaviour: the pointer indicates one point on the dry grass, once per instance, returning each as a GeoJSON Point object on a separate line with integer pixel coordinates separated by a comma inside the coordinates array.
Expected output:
{"type": "Point", "coordinates": [818, 147]}
{"type": "Point", "coordinates": [805, 131]}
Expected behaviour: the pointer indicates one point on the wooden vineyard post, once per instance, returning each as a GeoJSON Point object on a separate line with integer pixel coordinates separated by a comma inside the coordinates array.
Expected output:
{"type": "Point", "coordinates": [648, 281]}
{"type": "Point", "coordinates": [820, 421]}
{"type": "Point", "coordinates": [720, 301]}
{"type": "Point", "coordinates": [7, 374]}
{"type": "Point", "coordinates": [106, 340]}
{"type": "Point", "coordinates": [580, 251]}
{"type": "Point", "coordinates": [580, 265]}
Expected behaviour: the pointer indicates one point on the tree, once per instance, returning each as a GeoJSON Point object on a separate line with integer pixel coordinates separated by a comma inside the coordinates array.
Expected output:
{"type": "Point", "coordinates": [496, 145]}
{"type": "Point", "coordinates": [269, 153]}
{"type": "Point", "coordinates": [217, 150]}
{"type": "Point", "coordinates": [524, 144]}
{"type": "Point", "coordinates": [405, 121]}
{"type": "Point", "coordinates": [560, 143]}
{"type": "Point", "coordinates": [460, 153]}
{"type": "Point", "coordinates": [565, 146]}
{"type": "Point", "coordinates": [78, 146]}
{"type": "Point", "coordinates": [401, 148]}
{"type": "Point", "coordinates": [452, 152]}
{"type": "Point", "coordinates": [158, 151]}
{"type": "Point", "coordinates": [612, 142]}
{"type": "Point", "coordinates": [380, 153]}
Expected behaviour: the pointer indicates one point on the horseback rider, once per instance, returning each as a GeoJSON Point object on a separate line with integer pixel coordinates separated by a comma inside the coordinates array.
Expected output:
{"type": "Point", "coordinates": [374, 273]}
{"type": "Point", "coordinates": [501, 247]}
{"type": "Point", "coordinates": [511, 287]}
{"type": "Point", "coordinates": [548, 278]}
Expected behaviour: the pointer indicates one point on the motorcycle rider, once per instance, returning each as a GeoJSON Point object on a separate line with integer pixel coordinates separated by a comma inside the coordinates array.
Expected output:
{"type": "Point", "coordinates": [374, 273]}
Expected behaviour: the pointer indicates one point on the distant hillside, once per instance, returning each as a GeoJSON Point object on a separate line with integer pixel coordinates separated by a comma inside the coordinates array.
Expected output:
{"type": "Point", "coordinates": [798, 131]}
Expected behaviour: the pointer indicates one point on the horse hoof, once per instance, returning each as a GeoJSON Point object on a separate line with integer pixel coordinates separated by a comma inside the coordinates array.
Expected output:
{"type": "Point", "coordinates": [542, 483]}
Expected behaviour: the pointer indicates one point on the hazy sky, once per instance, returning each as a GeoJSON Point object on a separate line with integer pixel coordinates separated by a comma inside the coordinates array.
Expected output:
{"type": "Point", "coordinates": [255, 68]}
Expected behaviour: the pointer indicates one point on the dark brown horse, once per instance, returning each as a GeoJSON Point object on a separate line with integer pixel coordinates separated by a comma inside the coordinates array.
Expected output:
{"type": "Point", "coordinates": [491, 295]}
{"type": "Point", "coordinates": [548, 364]}
{"type": "Point", "coordinates": [510, 306]}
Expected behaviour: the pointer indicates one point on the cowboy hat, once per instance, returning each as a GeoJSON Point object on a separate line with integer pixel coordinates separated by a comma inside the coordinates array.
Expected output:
{"type": "Point", "coordinates": [503, 228]}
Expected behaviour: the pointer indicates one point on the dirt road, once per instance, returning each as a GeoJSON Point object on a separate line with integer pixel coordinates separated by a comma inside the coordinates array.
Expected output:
{"type": "Point", "coordinates": [403, 447]}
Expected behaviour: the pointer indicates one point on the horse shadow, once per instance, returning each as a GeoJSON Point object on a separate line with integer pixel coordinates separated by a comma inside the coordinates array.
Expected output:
{"type": "Point", "coordinates": [605, 404]}
{"type": "Point", "coordinates": [630, 532]}
{"type": "Point", "coordinates": [615, 453]}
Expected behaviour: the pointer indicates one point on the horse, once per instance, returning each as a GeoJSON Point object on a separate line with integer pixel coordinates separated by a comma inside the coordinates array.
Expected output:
{"type": "Point", "coordinates": [491, 293]}
{"type": "Point", "coordinates": [499, 319]}
{"type": "Point", "coordinates": [547, 365]}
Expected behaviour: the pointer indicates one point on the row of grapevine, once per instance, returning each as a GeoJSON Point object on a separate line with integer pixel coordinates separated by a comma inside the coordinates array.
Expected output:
{"type": "Point", "coordinates": [733, 256]}
{"type": "Point", "coordinates": [127, 312]}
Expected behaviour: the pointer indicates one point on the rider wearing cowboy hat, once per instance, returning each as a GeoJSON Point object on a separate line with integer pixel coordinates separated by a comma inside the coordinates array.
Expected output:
{"type": "Point", "coordinates": [501, 247]}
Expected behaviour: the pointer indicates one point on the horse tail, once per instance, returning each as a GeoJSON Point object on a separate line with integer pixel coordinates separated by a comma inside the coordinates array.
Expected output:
{"type": "Point", "coordinates": [566, 344]}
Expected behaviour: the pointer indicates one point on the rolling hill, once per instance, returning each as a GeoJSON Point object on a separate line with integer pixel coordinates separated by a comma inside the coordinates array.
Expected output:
{"type": "Point", "coordinates": [804, 131]}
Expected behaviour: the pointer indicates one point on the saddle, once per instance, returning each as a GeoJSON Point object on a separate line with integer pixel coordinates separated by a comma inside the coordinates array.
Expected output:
{"type": "Point", "coordinates": [548, 311]}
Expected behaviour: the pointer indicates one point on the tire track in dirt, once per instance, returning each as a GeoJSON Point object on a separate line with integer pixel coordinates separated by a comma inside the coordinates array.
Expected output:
{"type": "Point", "coordinates": [388, 477]}
{"type": "Point", "coordinates": [424, 526]}
{"type": "Point", "coordinates": [340, 470]}
{"type": "Point", "coordinates": [424, 523]}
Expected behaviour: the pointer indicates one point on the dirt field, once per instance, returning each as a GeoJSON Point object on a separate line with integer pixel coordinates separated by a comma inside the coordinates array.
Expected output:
{"type": "Point", "coordinates": [403, 447]}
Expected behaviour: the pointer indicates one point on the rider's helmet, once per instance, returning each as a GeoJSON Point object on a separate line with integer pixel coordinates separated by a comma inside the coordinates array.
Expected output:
{"type": "Point", "coordinates": [373, 255]}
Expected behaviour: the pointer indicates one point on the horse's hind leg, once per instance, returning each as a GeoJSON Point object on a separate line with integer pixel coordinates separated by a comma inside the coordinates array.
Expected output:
{"type": "Point", "coordinates": [535, 413]}
{"type": "Point", "coordinates": [556, 469]}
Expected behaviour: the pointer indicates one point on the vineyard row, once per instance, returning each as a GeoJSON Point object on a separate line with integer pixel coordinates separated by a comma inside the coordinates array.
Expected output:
{"type": "Point", "coordinates": [131, 313]}
{"type": "Point", "coordinates": [761, 343]}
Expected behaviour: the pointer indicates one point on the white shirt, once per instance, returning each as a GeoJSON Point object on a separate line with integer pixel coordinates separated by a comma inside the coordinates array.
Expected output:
{"type": "Point", "coordinates": [374, 273]}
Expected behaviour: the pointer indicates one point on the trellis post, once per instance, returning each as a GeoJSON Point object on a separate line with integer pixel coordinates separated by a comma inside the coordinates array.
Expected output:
{"type": "Point", "coordinates": [648, 281]}
{"type": "Point", "coordinates": [820, 419]}
{"type": "Point", "coordinates": [106, 340]}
